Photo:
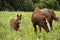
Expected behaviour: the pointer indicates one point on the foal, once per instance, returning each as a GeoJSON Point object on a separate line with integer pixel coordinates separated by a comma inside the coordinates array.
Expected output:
{"type": "Point", "coordinates": [39, 19]}
{"type": "Point", "coordinates": [14, 23]}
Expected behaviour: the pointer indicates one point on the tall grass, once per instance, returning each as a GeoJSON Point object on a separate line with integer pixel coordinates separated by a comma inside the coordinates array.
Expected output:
{"type": "Point", "coordinates": [26, 30]}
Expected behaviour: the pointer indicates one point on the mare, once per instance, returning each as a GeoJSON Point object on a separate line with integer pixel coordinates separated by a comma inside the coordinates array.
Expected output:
{"type": "Point", "coordinates": [39, 19]}
{"type": "Point", "coordinates": [50, 16]}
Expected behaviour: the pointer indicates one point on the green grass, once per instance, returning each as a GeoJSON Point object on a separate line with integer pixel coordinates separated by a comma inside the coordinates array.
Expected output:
{"type": "Point", "coordinates": [26, 30]}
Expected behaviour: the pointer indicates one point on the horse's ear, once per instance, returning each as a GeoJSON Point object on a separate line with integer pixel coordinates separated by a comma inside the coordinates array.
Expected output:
{"type": "Point", "coordinates": [20, 15]}
{"type": "Point", "coordinates": [17, 15]}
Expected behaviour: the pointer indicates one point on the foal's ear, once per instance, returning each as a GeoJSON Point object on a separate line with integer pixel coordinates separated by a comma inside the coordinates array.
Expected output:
{"type": "Point", "coordinates": [17, 15]}
{"type": "Point", "coordinates": [20, 15]}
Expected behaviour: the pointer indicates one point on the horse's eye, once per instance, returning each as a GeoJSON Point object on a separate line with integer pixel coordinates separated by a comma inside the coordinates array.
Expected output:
{"type": "Point", "coordinates": [44, 19]}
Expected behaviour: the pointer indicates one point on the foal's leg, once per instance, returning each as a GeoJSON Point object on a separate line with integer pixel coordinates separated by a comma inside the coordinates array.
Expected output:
{"type": "Point", "coordinates": [50, 22]}
{"type": "Point", "coordinates": [11, 28]}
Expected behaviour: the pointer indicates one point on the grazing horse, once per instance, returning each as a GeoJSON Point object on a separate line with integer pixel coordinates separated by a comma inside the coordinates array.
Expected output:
{"type": "Point", "coordinates": [14, 23]}
{"type": "Point", "coordinates": [50, 16]}
{"type": "Point", "coordinates": [39, 19]}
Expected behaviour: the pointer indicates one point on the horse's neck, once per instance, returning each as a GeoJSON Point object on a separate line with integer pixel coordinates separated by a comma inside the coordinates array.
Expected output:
{"type": "Point", "coordinates": [17, 24]}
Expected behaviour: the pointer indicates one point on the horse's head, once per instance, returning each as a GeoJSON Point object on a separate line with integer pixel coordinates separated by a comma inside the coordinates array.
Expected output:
{"type": "Point", "coordinates": [19, 18]}
{"type": "Point", "coordinates": [46, 25]}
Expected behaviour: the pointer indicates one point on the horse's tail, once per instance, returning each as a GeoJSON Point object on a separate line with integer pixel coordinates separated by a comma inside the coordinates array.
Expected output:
{"type": "Point", "coordinates": [54, 16]}
{"type": "Point", "coordinates": [57, 18]}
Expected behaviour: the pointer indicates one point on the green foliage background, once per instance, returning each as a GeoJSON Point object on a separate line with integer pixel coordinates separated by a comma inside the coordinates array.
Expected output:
{"type": "Point", "coordinates": [28, 5]}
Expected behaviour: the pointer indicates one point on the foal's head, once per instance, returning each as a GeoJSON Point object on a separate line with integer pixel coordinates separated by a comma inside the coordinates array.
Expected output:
{"type": "Point", "coordinates": [18, 18]}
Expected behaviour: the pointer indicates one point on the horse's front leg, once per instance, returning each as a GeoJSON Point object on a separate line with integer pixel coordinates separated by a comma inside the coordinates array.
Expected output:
{"type": "Point", "coordinates": [50, 22]}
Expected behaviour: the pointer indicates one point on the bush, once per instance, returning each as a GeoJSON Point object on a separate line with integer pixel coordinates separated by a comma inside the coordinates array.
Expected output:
{"type": "Point", "coordinates": [28, 5]}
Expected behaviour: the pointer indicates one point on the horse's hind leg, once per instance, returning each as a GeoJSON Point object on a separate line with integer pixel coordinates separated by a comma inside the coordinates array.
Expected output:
{"type": "Point", "coordinates": [35, 30]}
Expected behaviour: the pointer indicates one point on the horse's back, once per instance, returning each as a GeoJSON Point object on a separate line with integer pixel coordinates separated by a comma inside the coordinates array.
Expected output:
{"type": "Point", "coordinates": [12, 20]}
{"type": "Point", "coordinates": [46, 13]}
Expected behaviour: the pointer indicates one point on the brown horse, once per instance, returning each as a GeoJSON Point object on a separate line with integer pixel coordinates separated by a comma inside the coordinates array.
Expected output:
{"type": "Point", "coordinates": [39, 19]}
{"type": "Point", "coordinates": [50, 15]}
{"type": "Point", "coordinates": [14, 23]}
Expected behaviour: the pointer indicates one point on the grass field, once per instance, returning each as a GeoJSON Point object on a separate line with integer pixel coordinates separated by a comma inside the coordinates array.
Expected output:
{"type": "Point", "coordinates": [26, 30]}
